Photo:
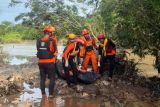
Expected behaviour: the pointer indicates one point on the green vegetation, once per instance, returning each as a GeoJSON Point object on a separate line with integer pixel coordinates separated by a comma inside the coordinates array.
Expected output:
{"type": "Point", "coordinates": [11, 37]}
{"type": "Point", "coordinates": [16, 33]}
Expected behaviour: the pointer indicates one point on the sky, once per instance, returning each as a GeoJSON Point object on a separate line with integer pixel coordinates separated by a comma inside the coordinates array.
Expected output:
{"type": "Point", "coordinates": [9, 13]}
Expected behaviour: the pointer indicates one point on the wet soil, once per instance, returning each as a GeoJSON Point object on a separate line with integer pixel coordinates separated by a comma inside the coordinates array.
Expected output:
{"type": "Point", "coordinates": [22, 82]}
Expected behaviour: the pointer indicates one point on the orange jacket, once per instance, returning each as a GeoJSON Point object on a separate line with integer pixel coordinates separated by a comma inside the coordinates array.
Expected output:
{"type": "Point", "coordinates": [89, 43]}
{"type": "Point", "coordinates": [70, 50]}
{"type": "Point", "coordinates": [52, 49]}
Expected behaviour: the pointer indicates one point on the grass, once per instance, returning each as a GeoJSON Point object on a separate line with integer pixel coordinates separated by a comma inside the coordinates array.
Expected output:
{"type": "Point", "coordinates": [12, 37]}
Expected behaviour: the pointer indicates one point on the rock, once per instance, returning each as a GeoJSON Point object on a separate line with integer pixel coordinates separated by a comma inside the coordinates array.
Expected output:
{"type": "Point", "coordinates": [30, 83]}
{"type": "Point", "coordinates": [11, 78]}
{"type": "Point", "coordinates": [106, 83]}
{"type": "Point", "coordinates": [15, 102]}
{"type": "Point", "coordinates": [64, 85]}
{"type": "Point", "coordinates": [15, 77]}
{"type": "Point", "coordinates": [108, 104]}
{"type": "Point", "coordinates": [79, 88]}
{"type": "Point", "coordinates": [31, 78]}
{"type": "Point", "coordinates": [85, 95]}
{"type": "Point", "coordinates": [5, 100]}
{"type": "Point", "coordinates": [18, 77]}
{"type": "Point", "coordinates": [63, 91]}
{"type": "Point", "coordinates": [19, 85]}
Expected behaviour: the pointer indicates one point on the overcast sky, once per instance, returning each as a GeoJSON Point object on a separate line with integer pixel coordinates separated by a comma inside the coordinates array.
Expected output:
{"type": "Point", "coordinates": [9, 13]}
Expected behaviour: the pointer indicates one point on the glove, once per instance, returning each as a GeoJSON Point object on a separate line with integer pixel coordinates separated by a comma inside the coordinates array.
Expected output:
{"type": "Point", "coordinates": [66, 63]}
{"type": "Point", "coordinates": [99, 64]}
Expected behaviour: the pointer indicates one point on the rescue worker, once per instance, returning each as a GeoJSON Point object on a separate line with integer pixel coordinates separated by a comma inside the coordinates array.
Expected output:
{"type": "Point", "coordinates": [46, 49]}
{"type": "Point", "coordinates": [107, 52]}
{"type": "Point", "coordinates": [90, 54]}
{"type": "Point", "coordinates": [68, 58]}
{"type": "Point", "coordinates": [71, 51]}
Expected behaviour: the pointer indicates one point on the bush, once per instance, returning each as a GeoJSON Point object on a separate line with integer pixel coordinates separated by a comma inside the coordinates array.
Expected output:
{"type": "Point", "coordinates": [11, 37]}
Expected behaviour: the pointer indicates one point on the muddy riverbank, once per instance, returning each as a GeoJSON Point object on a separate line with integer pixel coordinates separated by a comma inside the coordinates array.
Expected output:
{"type": "Point", "coordinates": [119, 92]}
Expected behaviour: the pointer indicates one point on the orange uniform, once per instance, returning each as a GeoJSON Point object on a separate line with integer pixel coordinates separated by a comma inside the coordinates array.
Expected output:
{"type": "Point", "coordinates": [69, 54]}
{"type": "Point", "coordinates": [90, 54]}
{"type": "Point", "coordinates": [46, 49]}
{"type": "Point", "coordinates": [52, 49]}
{"type": "Point", "coordinates": [70, 51]}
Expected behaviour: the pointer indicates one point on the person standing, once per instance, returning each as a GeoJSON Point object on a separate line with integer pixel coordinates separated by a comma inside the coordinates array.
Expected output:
{"type": "Point", "coordinates": [89, 52]}
{"type": "Point", "coordinates": [46, 49]}
{"type": "Point", "coordinates": [107, 52]}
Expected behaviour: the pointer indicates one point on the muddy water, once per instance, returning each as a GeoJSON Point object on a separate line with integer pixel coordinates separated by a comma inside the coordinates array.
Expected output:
{"type": "Point", "coordinates": [31, 97]}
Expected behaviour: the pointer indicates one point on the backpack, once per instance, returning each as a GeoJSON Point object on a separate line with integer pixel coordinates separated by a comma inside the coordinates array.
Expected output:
{"type": "Point", "coordinates": [43, 49]}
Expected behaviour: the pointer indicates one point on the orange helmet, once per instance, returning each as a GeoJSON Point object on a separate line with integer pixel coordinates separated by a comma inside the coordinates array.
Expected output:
{"type": "Point", "coordinates": [49, 29]}
{"type": "Point", "coordinates": [85, 32]}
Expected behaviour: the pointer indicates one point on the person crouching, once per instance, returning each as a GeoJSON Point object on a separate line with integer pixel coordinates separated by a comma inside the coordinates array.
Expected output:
{"type": "Point", "coordinates": [69, 54]}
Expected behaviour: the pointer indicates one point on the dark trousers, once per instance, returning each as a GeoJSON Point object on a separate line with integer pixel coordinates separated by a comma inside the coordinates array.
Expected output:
{"type": "Point", "coordinates": [72, 66]}
{"type": "Point", "coordinates": [107, 59]}
{"type": "Point", "coordinates": [47, 69]}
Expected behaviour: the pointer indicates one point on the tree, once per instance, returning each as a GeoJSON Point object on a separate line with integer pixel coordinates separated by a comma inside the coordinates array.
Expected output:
{"type": "Point", "coordinates": [55, 12]}
{"type": "Point", "coordinates": [135, 24]}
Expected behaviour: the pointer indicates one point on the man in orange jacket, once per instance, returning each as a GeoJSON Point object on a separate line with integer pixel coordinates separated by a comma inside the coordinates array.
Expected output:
{"type": "Point", "coordinates": [46, 49]}
{"type": "Point", "coordinates": [89, 52]}
{"type": "Point", "coordinates": [70, 52]}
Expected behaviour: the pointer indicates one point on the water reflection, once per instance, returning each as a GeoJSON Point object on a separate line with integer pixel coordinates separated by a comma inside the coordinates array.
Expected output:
{"type": "Point", "coordinates": [68, 102]}
{"type": "Point", "coordinates": [15, 60]}
{"type": "Point", "coordinates": [48, 102]}
{"type": "Point", "coordinates": [33, 96]}
{"type": "Point", "coordinates": [76, 102]}
{"type": "Point", "coordinates": [17, 54]}
{"type": "Point", "coordinates": [19, 49]}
